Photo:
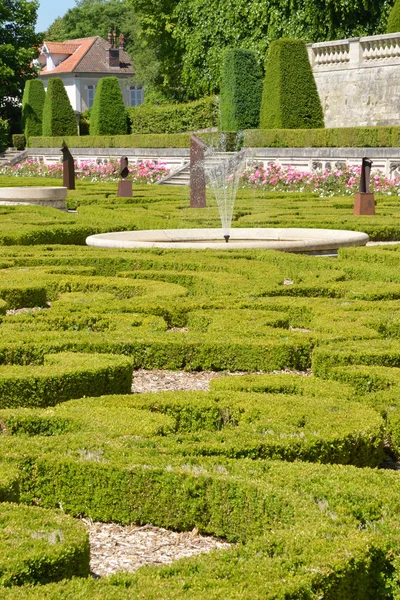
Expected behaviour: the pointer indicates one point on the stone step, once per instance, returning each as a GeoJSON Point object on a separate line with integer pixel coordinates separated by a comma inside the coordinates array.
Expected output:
{"type": "Point", "coordinates": [182, 175]}
{"type": "Point", "coordinates": [11, 156]}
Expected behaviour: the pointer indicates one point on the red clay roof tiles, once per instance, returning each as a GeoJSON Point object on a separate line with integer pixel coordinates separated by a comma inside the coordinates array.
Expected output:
{"type": "Point", "coordinates": [90, 56]}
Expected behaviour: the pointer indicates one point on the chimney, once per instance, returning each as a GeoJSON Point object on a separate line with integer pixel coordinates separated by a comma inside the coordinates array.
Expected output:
{"type": "Point", "coordinates": [121, 41]}
{"type": "Point", "coordinates": [113, 51]}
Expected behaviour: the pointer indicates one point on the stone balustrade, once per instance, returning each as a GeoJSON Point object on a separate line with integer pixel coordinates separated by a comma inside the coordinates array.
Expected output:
{"type": "Point", "coordinates": [358, 80]}
{"type": "Point", "coordinates": [355, 51]}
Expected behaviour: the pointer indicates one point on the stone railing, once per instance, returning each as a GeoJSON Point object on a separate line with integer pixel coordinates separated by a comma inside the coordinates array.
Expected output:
{"type": "Point", "coordinates": [354, 52]}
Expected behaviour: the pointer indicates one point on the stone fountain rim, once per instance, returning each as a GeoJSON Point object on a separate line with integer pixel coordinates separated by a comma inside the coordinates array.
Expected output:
{"type": "Point", "coordinates": [286, 239]}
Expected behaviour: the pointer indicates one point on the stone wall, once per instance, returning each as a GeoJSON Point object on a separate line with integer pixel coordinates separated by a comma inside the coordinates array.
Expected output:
{"type": "Point", "coordinates": [358, 80]}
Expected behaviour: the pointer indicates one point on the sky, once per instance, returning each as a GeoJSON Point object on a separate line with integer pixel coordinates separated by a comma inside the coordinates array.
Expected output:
{"type": "Point", "coordinates": [49, 10]}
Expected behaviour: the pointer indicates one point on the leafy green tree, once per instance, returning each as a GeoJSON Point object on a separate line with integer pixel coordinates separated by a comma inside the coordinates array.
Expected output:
{"type": "Point", "coordinates": [58, 115]}
{"type": "Point", "coordinates": [156, 52]}
{"type": "Point", "coordinates": [92, 17]}
{"type": "Point", "coordinates": [147, 26]}
{"type": "Point", "coordinates": [290, 97]}
{"type": "Point", "coordinates": [204, 28]}
{"type": "Point", "coordinates": [108, 114]}
{"type": "Point", "coordinates": [177, 45]}
{"type": "Point", "coordinates": [393, 25]}
{"type": "Point", "coordinates": [32, 107]}
{"type": "Point", "coordinates": [18, 47]}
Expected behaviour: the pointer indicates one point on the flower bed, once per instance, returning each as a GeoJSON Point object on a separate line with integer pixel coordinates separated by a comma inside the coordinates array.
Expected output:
{"type": "Point", "coordinates": [339, 182]}
{"type": "Point", "coordinates": [146, 171]}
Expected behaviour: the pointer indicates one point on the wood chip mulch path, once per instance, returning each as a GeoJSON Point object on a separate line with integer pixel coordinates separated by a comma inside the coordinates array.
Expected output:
{"type": "Point", "coordinates": [115, 547]}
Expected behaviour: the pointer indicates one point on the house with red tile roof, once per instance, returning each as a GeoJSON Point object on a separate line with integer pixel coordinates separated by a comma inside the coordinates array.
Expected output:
{"type": "Point", "coordinates": [81, 63]}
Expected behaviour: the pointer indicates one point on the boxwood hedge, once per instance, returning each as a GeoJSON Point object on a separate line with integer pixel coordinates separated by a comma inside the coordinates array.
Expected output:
{"type": "Point", "coordinates": [242, 461]}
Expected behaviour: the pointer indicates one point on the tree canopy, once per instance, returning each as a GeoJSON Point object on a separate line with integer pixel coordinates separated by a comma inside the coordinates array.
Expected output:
{"type": "Point", "coordinates": [177, 45]}
{"type": "Point", "coordinates": [19, 45]}
{"type": "Point", "coordinates": [92, 17]}
{"type": "Point", "coordinates": [204, 28]}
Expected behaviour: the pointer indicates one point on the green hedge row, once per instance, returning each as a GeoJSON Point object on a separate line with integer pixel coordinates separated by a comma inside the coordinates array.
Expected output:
{"type": "Point", "coordinates": [243, 425]}
{"type": "Point", "coordinates": [348, 568]}
{"type": "Point", "coordinates": [153, 140]}
{"type": "Point", "coordinates": [340, 137]}
{"type": "Point", "coordinates": [347, 137]}
{"type": "Point", "coordinates": [290, 515]}
{"type": "Point", "coordinates": [174, 118]}
{"type": "Point", "coordinates": [62, 377]}
{"type": "Point", "coordinates": [39, 546]}
{"type": "Point", "coordinates": [4, 129]}
{"type": "Point", "coordinates": [231, 424]}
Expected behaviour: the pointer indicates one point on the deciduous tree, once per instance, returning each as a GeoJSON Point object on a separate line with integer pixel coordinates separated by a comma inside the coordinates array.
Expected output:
{"type": "Point", "coordinates": [19, 45]}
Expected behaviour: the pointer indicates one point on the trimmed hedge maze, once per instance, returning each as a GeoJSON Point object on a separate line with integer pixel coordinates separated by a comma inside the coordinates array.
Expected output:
{"type": "Point", "coordinates": [160, 207]}
{"type": "Point", "coordinates": [283, 466]}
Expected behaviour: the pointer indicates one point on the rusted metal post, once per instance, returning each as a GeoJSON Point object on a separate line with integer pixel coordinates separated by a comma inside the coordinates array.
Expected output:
{"type": "Point", "coordinates": [68, 168]}
{"type": "Point", "coordinates": [124, 184]}
{"type": "Point", "coordinates": [197, 173]}
{"type": "Point", "coordinates": [364, 201]}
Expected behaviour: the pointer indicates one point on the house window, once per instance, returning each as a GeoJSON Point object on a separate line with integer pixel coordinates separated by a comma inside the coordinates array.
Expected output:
{"type": "Point", "coordinates": [135, 96]}
{"type": "Point", "coordinates": [90, 95]}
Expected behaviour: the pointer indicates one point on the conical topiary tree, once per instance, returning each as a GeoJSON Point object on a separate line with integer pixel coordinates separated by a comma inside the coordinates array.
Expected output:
{"type": "Point", "coordinates": [32, 107]}
{"type": "Point", "coordinates": [58, 115]}
{"type": "Point", "coordinates": [241, 89]}
{"type": "Point", "coordinates": [108, 113]}
{"type": "Point", "coordinates": [290, 97]}
{"type": "Point", "coordinates": [393, 24]}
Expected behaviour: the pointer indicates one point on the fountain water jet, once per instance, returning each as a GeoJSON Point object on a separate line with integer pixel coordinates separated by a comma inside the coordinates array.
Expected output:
{"type": "Point", "coordinates": [223, 178]}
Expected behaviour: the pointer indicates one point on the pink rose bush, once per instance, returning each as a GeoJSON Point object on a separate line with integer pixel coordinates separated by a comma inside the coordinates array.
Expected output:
{"type": "Point", "coordinates": [143, 172]}
{"type": "Point", "coordinates": [338, 182]}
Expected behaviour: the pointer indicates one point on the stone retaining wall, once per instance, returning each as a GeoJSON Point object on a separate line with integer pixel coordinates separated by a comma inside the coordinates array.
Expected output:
{"type": "Point", "coordinates": [358, 80]}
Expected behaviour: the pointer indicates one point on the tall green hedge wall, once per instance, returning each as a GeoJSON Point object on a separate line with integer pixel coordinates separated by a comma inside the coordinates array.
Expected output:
{"type": "Point", "coordinates": [290, 98]}
{"type": "Point", "coordinates": [174, 118]}
{"type": "Point", "coordinates": [393, 25]}
{"type": "Point", "coordinates": [58, 114]}
{"type": "Point", "coordinates": [4, 127]}
{"type": "Point", "coordinates": [32, 107]}
{"type": "Point", "coordinates": [108, 113]}
{"type": "Point", "coordinates": [241, 89]}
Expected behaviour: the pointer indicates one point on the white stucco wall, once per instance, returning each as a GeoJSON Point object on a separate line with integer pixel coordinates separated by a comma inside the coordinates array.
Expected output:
{"type": "Point", "coordinates": [358, 80]}
{"type": "Point", "coordinates": [76, 87]}
{"type": "Point", "coordinates": [71, 88]}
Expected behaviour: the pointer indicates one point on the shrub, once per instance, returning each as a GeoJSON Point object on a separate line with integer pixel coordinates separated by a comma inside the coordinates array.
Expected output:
{"type": "Point", "coordinates": [290, 98]}
{"type": "Point", "coordinates": [64, 376]}
{"type": "Point", "coordinates": [108, 113]}
{"type": "Point", "coordinates": [340, 137]}
{"type": "Point", "coordinates": [162, 140]}
{"type": "Point", "coordinates": [18, 141]}
{"type": "Point", "coordinates": [32, 107]}
{"type": "Point", "coordinates": [241, 89]}
{"type": "Point", "coordinates": [58, 115]}
{"type": "Point", "coordinates": [4, 128]}
{"type": "Point", "coordinates": [84, 123]}
{"type": "Point", "coordinates": [393, 25]}
{"type": "Point", "coordinates": [174, 118]}
{"type": "Point", "coordinates": [41, 546]}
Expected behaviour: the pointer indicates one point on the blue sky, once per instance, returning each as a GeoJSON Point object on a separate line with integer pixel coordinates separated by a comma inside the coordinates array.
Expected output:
{"type": "Point", "coordinates": [49, 10]}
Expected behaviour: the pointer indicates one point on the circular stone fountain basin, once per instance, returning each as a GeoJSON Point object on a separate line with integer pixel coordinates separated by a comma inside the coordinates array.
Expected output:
{"type": "Point", "coordinates": [286, 239]}
{"type": "Point", "coordinates": [55, 197]}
